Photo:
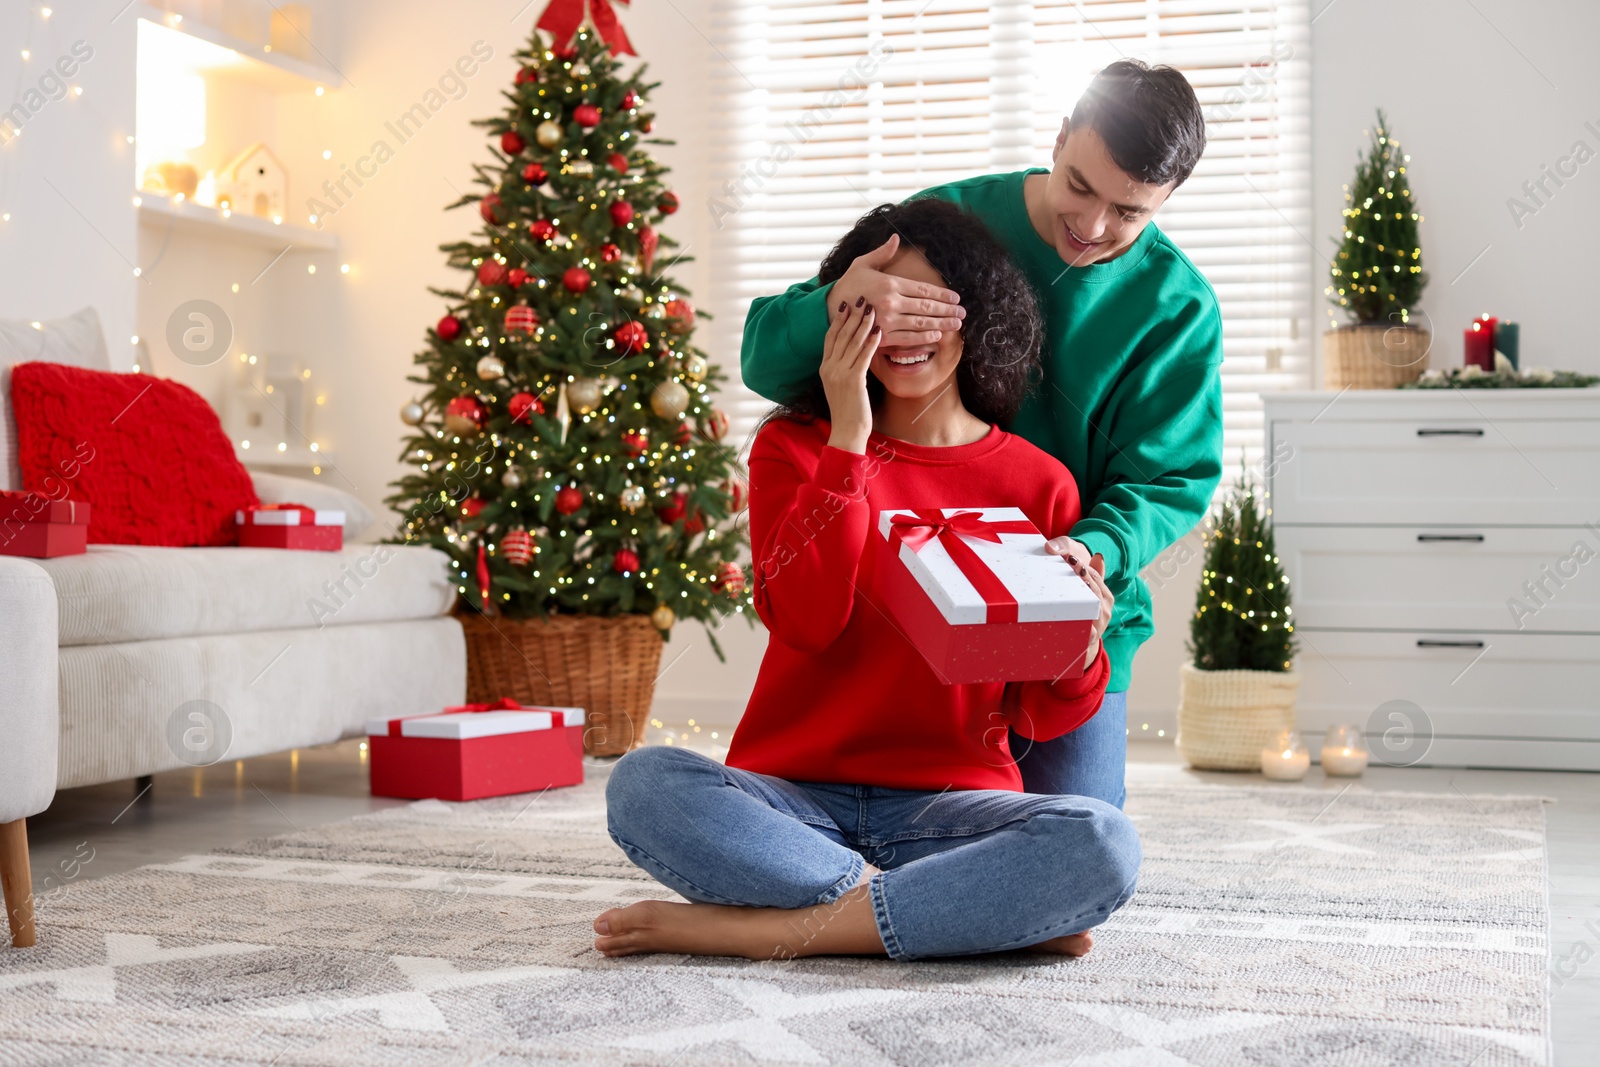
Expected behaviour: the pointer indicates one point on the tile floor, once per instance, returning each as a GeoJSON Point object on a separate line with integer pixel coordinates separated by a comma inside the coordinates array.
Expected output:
{"type": "Point", "coordinates": [101, 830]}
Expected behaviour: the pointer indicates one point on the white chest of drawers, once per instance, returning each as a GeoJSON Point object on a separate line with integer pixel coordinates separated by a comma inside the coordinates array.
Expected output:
{"type": "Point", "coordinates": [1443, 551]}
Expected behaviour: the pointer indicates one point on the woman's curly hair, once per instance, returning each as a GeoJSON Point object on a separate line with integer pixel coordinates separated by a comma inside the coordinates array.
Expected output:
{"type": "Point", "coordinates": [1003, 330]}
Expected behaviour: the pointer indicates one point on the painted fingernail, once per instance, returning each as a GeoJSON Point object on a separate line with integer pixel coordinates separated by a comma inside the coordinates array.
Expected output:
{"type": "Point", "coordinates": [1072, 559]}
{"type": "Point", "coordinates": [873, 330]}
{"type": "Point", "coordinates": [860, 300]}
{"type": "Point", "coordinates": [842, 305]}
{"type": "Point", "coordinates": [869, 309]}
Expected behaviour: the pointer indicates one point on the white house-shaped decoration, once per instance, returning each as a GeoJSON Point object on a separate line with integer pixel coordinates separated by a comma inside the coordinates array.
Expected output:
{"type": "Point", "coordinates": [254, 184]}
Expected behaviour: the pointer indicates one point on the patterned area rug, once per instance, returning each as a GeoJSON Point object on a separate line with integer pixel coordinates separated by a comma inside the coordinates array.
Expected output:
{"type": "Point", "coordinates": [1272, 926]}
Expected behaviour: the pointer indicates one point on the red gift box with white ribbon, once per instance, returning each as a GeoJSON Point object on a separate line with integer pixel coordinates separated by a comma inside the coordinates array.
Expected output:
{"type": "Point", "coordinates": [475, 751]}
{"type": "Point", "coordinates": [979, 596]}
{"type": "Point", "coordinates": [37, 526]}
{"type": "Point", "coordinates": [290, 526]}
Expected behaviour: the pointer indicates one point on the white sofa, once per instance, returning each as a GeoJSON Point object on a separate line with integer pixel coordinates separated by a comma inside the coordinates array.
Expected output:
{"type": "Point", "coordinates": [104, 656]}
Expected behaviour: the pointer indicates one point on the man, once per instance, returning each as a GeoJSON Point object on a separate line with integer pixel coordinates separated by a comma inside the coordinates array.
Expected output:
{"type": "Point", "coordinates": [1131, 400]}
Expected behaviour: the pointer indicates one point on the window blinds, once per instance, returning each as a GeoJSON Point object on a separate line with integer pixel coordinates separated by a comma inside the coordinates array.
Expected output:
{"type": "Point", "coordinates": [835, 107]}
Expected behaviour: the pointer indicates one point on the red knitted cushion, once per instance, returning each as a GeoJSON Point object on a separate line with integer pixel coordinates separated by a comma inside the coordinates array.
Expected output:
{"type": "Point", "coordinates": [147, 453]}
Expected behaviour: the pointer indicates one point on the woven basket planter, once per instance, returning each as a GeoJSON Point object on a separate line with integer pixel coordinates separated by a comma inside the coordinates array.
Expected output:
{"type": "Point", "coordinates": [1225, 718]}
{"type": "Point", "coordinates": [1374, 357]}
{"type": "Point", "coordinates": [607, 666]}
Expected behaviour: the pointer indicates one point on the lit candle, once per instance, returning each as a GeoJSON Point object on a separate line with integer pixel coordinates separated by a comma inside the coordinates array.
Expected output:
{"type": "Point", "coordinates": [1344, 753]}
{"type": "Point", "coordinates": [1478, 345]}
{"type": "Point", "coordinates": [1286, 758]}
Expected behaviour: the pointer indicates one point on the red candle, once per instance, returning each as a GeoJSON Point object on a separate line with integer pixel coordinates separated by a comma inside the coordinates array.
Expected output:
{"type": "Point", "coordinates": [1478, 342]}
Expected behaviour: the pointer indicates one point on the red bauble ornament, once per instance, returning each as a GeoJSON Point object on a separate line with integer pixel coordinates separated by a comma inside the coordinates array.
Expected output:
{"type": "Point", "coordinates": [449, 328]}
{"type": "Point", "coordinates": [648, 240]}
{"type": "Point", "coordinates": [684, 435]}
{"type": "Point", "coordinates": [526, 75]}
{"type": "Point", "coordinates": [576, 279]}
{"type": "Point", "coordinates": [621, 212]}
{"type": "Point", "coordinates": [492, 272]}
{"type": "Point", "coordinates": [681, 312]}
{"type": "Point", "coordinates": [668, 202]}
{"type": "Point", "coordinates": [610, 253]}
{"type": "Point", "coordinates": [566, 53]}
{"type": "Point", "coordinates": [738, 491]}
{"type": "Point", "coordinates": [676, 510]}
{"type": "Point", "coordinates": [625, 560]}
{"type": "Point", "coordinates": [542, 229]}
{"type": "Point", "coordinates": [714, 426]}
{"type": "Point", "coordinates": [521, 317]}
{"type": "Point", "coordinates": [511, 143]}
{"type": "Point", "coordinates": [631, 336]}
{"type": "Point", "coordinates": [617, 162]}
{"type": "Point", "coordinates": [569, 499]}
{"type": "Point", "coordinates": [534, 174]}
{"type": "Point", "coordinates": [629, 100]}
{"type": "Point", "coordinates": [634, 443]}
{"type": "Point", "coordinates": [489, 208]}
{"type": "Point", "coordinates": [516, 276]}
{"type": "Point", "coordinates": [521, 405]}
{"type": "Point", "coordinates": [586, 115]}
{"type": "Point", "coordinates": [465, 414]}
{"type": "Point", "coordinates": [471, 506]}
{"type": "Point", "coordinates": [694, 523]}
{"type": "Point", "coordinates": [517, 548]}
{"type": "Point", "coordinates": [729, 579]}
{"type": "Point", "coordinates": [649, 124]}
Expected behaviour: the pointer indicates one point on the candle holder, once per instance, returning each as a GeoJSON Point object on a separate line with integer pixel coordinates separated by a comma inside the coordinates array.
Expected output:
{"type": "Point", "coordinates": [1344, 752]}
{"type": "Point", "coordinates": [1286, 758]}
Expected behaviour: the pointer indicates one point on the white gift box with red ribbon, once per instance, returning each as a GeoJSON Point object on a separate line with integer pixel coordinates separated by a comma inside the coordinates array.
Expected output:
{"type": "Point", "coordinates": [476, 750]}
{"type": "Point", "coordinates": [290, 526]}
{"type": "Point", "coordinates": [978, 594]}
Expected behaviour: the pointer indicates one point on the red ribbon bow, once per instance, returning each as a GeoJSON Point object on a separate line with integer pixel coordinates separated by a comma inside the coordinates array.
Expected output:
{"type": "Point", "coordinates": [503, 704]}
{"type": "Point", "coordinates": [563, 17]}
{"type": "Point", "coordinates": [308, 516]}
{"type": "Point", "coordinates": [921, 527]}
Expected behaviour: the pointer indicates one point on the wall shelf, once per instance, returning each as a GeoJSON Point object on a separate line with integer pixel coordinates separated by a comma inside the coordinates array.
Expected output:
{"type": "Point", "coordinates": [254, 63]}
{"type": "Point", "coordinates": [160, 211]}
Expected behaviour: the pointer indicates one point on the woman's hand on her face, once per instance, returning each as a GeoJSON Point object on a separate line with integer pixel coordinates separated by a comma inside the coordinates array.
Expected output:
{"type": "Point", "coordinates": [846, 354]}
{"type": "Point", "coordinates": [909, 312]}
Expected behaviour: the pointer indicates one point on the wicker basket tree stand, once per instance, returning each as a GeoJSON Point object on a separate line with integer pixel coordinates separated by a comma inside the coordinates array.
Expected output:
{"type": "Point", "coordinates": [606, 666]}
{"type": "Point", "coordinates": [1374, 356]}
{"type": "Point", "coordinates": [1225, 718]}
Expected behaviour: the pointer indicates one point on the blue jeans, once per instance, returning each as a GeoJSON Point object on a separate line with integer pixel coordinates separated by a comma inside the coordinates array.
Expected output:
{"type": "Point", "coordinates": [1091, 761]}
{"type": "Point", "coordinates": [965, 872]}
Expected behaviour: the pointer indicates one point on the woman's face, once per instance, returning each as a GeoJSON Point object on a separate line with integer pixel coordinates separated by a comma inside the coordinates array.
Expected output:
{"type": "Point", "coordinates": [921, 370]}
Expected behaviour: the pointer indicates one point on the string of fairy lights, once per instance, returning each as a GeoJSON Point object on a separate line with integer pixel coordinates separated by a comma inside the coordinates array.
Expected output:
{"type": "Point", "coordinates": [1355, 286]}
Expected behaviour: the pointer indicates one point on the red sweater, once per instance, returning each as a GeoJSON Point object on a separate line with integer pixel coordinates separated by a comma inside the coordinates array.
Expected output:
{"type": "Point", "coordinates": [842, 695]}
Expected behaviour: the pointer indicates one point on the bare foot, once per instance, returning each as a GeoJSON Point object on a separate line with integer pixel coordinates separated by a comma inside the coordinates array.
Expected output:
{"type": "Point", "coordinates": [1067, 945]}
{"type": "Point", "coordinates": [845, 927]}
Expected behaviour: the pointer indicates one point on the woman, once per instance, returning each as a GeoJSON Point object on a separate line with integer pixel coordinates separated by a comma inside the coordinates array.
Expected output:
{"type": "Point", "coordinates": [866, 808]}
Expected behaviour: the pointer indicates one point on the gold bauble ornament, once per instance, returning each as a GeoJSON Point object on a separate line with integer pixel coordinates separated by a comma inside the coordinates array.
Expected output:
{"type": "Point", "coordinates": [584, 394]}
{"type": "Point", "coordinates": [695, 367]}
{"type": "Point", "coordinates": [491, 368]}
{"type": "Point", "coordinates": [669, 400]}
{"type": "Point", "coordinates": [654, 311]}
{"type": "Point", "coordinates": [512, 478]}
{"type": "Point", "coordinates": [412, 414]}
{"type": "Point", "coordinates": [548, 133]}
{"type": "Point", "coordinates": [632, 497]}
{"type": "Point", "coordinates": [663, 617]}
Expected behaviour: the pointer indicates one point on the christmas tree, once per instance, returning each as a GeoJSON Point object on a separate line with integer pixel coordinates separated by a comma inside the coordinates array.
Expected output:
{"type": "Point", "coordinates": [1242, 618]}
{"type": "Point", "coordinates": [566, 449]}
{"type": "Point", "coordinates": [1377, 272]}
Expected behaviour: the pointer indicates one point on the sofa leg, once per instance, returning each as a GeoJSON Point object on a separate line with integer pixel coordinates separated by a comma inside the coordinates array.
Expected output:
{"type": "Point", "coordinates": [17, 881]}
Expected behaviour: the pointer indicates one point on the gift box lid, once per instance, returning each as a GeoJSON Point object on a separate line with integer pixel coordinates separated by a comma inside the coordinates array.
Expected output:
{"type": "Point", "coordinates": [31, 507]}
{"type": "Point", "coordinates": [463, 725]}
{"type": "Point", "coordinates": [1044, 587]}
{"type": "Point", "coordinates": [287, 515]}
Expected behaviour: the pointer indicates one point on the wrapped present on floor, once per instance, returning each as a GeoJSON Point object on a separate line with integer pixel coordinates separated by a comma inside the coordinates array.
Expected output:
{"type": "Point", "coordinates": [34, 525]}
{"type": "Point", "coordinates": [475, 751]}
{"type": "Point", "coordinates": [290, 526]}
{"type": "Point", "coordinates": [979, 596]}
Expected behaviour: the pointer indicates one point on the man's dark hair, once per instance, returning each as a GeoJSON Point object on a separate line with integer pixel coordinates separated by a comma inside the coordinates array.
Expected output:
{"type": "Point", "coordinates": [1002, 331]}
{"type": "Point", "coordinates": [1149, 119]}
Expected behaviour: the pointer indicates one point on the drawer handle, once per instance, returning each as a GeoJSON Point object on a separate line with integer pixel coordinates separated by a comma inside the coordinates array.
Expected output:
{"type": "Point", "coordinates": [1425, 432]}
{"type": "Point", "coordinates": [1425, 538]}
{"type": "Point", "coordinates": [1423, 642]}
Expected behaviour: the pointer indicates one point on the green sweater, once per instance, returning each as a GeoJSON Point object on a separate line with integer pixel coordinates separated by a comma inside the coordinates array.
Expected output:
{"type": "Point", "coordinates": [1131, 400]}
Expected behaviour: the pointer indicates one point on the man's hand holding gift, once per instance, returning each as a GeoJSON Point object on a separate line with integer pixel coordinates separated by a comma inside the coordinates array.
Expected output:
{"type": "Point", "coordinates": [1093, 572]}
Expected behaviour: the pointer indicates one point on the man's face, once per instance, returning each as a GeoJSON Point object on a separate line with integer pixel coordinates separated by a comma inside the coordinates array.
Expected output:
{"type": "Point", "coordinates": [1096, 209]}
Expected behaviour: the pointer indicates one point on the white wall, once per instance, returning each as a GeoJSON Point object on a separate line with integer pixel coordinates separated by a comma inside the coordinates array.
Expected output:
{"type": "Point", "coordinates": [71, 238]}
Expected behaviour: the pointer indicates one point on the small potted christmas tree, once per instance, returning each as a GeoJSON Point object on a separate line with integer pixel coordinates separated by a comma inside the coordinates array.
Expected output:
{"type": "Point", "coordinates": [1377, 275]}
{"type": "Point", "coordinates": [1239, 690]}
